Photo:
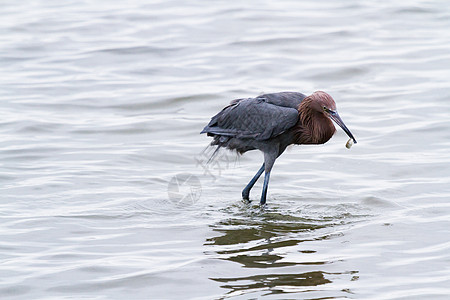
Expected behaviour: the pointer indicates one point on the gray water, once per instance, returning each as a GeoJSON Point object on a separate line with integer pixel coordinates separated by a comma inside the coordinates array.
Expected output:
{"type": "Point", "coordinates": [101, 105]}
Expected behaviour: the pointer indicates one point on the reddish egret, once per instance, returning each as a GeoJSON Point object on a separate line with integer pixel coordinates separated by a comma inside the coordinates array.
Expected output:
{"type": "Point", "coordinates": [270, 123]}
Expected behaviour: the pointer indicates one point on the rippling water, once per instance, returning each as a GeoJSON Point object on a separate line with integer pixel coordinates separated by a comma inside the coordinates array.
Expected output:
{"type": "Point", "coordinates": [106, 193]}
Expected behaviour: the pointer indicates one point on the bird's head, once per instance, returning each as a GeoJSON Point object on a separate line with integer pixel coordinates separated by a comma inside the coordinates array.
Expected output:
{"type": "Point", "coordinates": [323, 103]}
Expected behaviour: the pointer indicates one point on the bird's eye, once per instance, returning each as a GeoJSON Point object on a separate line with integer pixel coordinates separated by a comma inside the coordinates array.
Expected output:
{"type": "Point", "coordinates": [325, 108]}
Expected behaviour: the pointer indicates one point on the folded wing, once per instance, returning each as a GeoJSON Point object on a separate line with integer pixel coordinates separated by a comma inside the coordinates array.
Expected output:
{"type": "Point", "coordinates": [259, 118]}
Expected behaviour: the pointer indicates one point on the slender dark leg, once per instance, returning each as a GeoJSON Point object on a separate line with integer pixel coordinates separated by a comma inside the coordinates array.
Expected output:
{"type": "Point", "coordinates": [246, 191]}
{"type": "Point", "coordinates": [265, 187]}
{"type": "Point", "coordinates": [269, 160]}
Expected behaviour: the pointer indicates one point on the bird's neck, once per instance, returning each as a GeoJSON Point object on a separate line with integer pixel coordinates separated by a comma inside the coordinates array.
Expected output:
{"type": "Point", "coordinates": [313, 126]}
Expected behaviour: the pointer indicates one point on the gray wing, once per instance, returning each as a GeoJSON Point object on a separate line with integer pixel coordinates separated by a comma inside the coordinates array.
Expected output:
{"type": "Point", "coordinates": [260, 118]}
{"type": "Point", "coordinates": [286, 99]}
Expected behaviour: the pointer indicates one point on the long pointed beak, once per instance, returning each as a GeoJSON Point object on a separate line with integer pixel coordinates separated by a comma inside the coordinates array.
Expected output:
{"type": "Point", "coordinates": [336, 118]}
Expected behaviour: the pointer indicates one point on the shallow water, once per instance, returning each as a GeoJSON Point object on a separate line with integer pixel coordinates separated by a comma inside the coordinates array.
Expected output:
{"type": "Point", "coordinates": [106, 190]}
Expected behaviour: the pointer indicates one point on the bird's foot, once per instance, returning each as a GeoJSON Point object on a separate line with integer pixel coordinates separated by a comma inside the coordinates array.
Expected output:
{"type": "Point", "coordinates": [262, 202]}
{"type": "Point", "coordinates": [246, 201]}
{"type": "Point", "coordinates": [246, 195]}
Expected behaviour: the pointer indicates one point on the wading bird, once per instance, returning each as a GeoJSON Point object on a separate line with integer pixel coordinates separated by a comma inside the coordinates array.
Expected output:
{"type": "Point", "coordinates": [270, 123]}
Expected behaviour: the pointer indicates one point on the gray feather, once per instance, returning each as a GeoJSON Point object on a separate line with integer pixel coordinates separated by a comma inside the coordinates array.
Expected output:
{"type": "Point", "coordinates": [259, 118]}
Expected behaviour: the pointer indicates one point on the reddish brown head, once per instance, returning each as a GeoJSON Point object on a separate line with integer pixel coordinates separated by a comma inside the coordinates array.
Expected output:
{"type": "Point", "coordinates": [320, 100]}
{"type": "Point", "coordinates": [316, 111]}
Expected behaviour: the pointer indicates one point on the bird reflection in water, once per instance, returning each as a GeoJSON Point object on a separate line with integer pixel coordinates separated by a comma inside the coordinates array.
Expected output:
{"type": "Point", "coordinates": [265, 244]}
{"type": "Point", "coordinates": [274, 283]}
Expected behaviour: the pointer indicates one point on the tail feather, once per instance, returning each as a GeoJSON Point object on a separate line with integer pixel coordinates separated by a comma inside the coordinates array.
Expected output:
{"type": "Point", "coordinates": [214, 154]}
{"type": "Point", "coordinates": [219, 131]}
{"type": "Point", "coordinates": [207, 151]}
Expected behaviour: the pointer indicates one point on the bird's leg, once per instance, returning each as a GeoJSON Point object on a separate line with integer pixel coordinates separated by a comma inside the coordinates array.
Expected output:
{"type": "Point", "coordinates": [246, 190]}
{"type": "Point", "coordinates": [265, 187]}
{"type": "Point", "coordinates": [269, 160]}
